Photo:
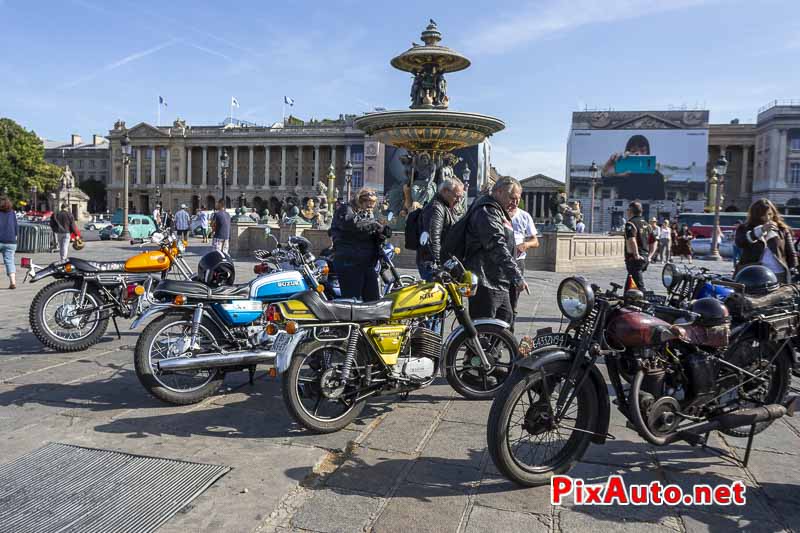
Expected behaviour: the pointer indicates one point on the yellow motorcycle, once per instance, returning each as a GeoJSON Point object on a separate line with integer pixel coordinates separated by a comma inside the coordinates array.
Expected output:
{"type": "Point", "coordinates": [334, 354]}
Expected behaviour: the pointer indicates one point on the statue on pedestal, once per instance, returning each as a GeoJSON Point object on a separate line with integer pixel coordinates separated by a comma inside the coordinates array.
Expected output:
{"type": "Point", "coordinates": [561, 215]}
{"type": "Point", "coordinates": [311, 214]}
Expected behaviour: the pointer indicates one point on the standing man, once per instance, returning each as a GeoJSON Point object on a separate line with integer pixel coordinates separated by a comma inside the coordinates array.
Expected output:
{"type": "Point", "coordinates": [202, 219]}
{"type": "Point", "coordinates": [62, 224]}
{"type": "Point", "coordinates": [182, 223]}
{"type": "Point", "coordinates": [157, 215]}
{"type": "Point", "coordinates": [221, 224]}
{"type": "Point", "coordinates": [636, 247]}
{"type": "Point", "coordinates": [436, 218]}
{"type": "Point", "coordinates": [652, 239]}
{"type": "Point", "coordinates": [490, 251]}
{"type": "Point", "coordinates": [664, 243]}
{"type": "Point", "coordinates": [525, 237]}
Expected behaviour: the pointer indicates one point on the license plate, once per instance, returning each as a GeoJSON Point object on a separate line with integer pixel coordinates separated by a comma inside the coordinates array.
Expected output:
{"type": "Point", "coordinates": [281, 342]}
{"type": "Point", "coordinates": [548, 339]}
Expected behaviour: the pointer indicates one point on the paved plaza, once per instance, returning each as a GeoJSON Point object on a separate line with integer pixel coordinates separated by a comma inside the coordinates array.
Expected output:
{"type": "Point", "coordinates": [418, 464]}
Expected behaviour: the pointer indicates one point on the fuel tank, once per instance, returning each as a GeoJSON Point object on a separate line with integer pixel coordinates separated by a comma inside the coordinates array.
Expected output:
{"type": "Point", "coordinates": [150, 261]}
{"type": "Point", "coordinates": [277, 286]}
{"type": "Point", "coordinates": [633, 329]}
{"type": "Point", "coordinates": [419, 299]}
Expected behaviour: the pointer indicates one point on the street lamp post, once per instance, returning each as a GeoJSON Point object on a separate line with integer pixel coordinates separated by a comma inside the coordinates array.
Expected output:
{"type": "Point", "coordinates": [223, 159]}
{"type": "Point", "coordinates": [242, 200]}
{"type": "Point", "coordinates": [593, 177]}
{"type": "Point", "coordinates": [125, 143]}
{"type": "Point", "coordinates": [718, 175]}
{"type": "Point", "coordinates": [348, 178]}
{"type": "Point", "coordinates": [34, 190]}
{"type": "Point", "coordinates": [465, 176]}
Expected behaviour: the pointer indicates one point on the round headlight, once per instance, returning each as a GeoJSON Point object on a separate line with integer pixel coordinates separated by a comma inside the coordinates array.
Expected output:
{"type": "Point", "coordinates": [668, 275]}
{"type": "Point", "coordinates": [575, 298]}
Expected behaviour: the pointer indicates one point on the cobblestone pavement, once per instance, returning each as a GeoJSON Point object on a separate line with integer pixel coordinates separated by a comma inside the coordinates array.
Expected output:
{"type": "Point", "coordinates": [413, 465]}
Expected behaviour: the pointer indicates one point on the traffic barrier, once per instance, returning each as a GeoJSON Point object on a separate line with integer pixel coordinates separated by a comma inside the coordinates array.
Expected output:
{"type": "Point", "coordinates": [34, 238]}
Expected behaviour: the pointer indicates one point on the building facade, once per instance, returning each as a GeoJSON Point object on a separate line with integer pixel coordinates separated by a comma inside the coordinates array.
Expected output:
{"type": "Point", "coordinates": [180, 164]}
{"type": "Point", "coordinates": [537, 192]}
{"type": "Point", "coordinates": [89, 163]}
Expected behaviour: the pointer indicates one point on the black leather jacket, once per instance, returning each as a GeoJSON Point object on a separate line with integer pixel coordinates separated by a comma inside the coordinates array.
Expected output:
{"type": "Point", "coordinates": [354, 238]}
{"type": "Point", "coordinates": [437, 218]}
{"type": "Point", "coordinates": [490, 245]}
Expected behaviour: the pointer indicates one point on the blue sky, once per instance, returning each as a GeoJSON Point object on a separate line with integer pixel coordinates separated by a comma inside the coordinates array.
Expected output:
{"type": "Point", "coordinates": [78, 65]}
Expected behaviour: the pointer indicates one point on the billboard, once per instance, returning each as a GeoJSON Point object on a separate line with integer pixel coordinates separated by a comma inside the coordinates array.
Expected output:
{"type": "Point", "coordinates": [678, 156]}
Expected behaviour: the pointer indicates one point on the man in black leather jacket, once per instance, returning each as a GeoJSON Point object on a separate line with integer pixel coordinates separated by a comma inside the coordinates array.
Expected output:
{"type": "Point", "coordinates": [437, 218]}
{"type": "Point", "coordinates": [489, 251]}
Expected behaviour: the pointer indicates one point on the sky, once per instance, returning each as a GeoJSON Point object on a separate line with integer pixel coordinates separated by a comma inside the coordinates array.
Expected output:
{"type": "Point", "coordinates": [76, 66]}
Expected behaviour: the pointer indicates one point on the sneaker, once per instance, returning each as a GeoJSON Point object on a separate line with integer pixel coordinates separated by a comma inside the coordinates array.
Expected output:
{"type": "Point", "coordinates": [12, 286]}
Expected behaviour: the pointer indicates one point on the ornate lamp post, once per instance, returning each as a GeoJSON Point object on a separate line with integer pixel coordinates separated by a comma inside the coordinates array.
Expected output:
{"type": "Point", "coordinates": [52, 201]}
{"type": "Point", "coordinates": [593, 176]}
{"type": "Point", "coordinates": [224, 161]}
{"type": "Point", "coordinates": [465, 176]}
{"type": "Point", "coordinates": [331, 187]}
{"type": "Point", "coordinates": [348, 178]}
{"type": "Point", "coordinates": [718, 177]}
{"type": "Point", "coordinates": [34, 190]}
{"type": "Point", "coordinates": [125, 143]}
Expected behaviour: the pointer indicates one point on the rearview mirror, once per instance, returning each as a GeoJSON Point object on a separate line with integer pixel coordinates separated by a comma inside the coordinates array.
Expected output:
{"type": "Point", "coordinates": [424, 238]}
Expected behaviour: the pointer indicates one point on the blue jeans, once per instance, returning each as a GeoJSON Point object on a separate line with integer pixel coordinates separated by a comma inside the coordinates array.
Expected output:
{"type": "Point", "coordinates": [425, 270]}
{"type": "Point", "coordinates": [8, 256]}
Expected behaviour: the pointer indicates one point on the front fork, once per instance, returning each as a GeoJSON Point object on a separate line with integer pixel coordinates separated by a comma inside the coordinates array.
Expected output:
{"type": "Point", "coordinates": [462, 314]}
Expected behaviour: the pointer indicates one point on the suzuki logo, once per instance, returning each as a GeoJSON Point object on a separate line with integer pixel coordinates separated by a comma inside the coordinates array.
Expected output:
{"type": "Point", "coordinates": [288, 283]}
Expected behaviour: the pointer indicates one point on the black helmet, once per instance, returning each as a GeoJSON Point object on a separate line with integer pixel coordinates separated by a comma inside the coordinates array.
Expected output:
{"type": "Point", "coordinates": [216, 269]}
{"type": "Point", "coordinates": [712, 312]}
{"type": "Point", "coordinates": [757, 280]}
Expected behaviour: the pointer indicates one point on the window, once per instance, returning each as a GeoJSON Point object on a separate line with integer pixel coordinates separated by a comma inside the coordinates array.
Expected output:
{"type": "Point", "coordinates": [91, 163]}
{"type": "Point", "coordinates": [162, 153]}
{"type": "Point", "coordinates": [357, 154]}
{"type": "Point", "coordinates": [795, 143]}
{"type": "Point", "coordinates": [358, 179]}
{"type": "Point", "coordinates": [794, 173]}
{"type": "Point", "coordinates": [80, 163]}
{"type": "Point", "coordinates": [103, 163]}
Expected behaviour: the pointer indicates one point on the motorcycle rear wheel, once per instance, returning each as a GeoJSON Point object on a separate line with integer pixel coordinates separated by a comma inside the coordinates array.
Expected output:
{"type": "Point", "coordinates": [179, 388]}
{"type": "Point", "coordinates": [63, 338]}
{"type": "Point", "coordinates": [463, 370]}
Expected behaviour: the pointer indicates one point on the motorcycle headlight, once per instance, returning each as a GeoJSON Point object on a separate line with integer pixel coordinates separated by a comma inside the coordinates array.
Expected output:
{"type": "Point", "coordinates": [470, 290]}
{"type": "Point", "coordinates": [575, 298]}
{"type": "Point", "coordinates": [181, 246]}
{"type": "Point", "coordinates": [671, 275]}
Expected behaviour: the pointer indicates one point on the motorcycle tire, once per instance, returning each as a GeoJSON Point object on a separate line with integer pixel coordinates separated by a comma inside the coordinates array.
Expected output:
{"type": "Point", "coordinates": [499, 437]}
{"type": "Point", "coordinates": [46, 336]}
{"type": "Point", "coordinates": [151, 381]}
{"type": "Point", "coordinates": [477, 384]}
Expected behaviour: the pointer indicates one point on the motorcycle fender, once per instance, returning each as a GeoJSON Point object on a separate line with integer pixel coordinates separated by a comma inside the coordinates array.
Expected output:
{"type": "Point", "coordinates": [152, 310]}
{"type": "Point", "coordinates": [548, 355]}
{"type": "Point", "coordinates": [41, 274]}
{"type": "Point", "coordinates": [460, 329]}
{"type": "Point", "coordinates": [284, 357]}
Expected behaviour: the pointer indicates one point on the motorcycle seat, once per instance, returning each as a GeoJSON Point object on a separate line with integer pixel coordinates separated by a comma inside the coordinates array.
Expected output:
{"type": "Point", "coordinates": [346, 310]}
{"type": "Point", "coordinates": [200, 291]}
{"type": "Point", "coordinates": [97, 266]}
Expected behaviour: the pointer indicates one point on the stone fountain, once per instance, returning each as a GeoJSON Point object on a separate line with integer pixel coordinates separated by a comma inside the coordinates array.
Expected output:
{"type": "Point", "coordinates": [429, 131]}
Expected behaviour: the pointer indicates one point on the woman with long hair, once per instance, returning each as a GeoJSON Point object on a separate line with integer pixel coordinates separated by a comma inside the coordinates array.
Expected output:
{"type": "Point", "coordinates": [682, 246]}
{"type": "Point", "coordinates": [766, 239]}
{"type": "Point", "coordinates": [8, 239]}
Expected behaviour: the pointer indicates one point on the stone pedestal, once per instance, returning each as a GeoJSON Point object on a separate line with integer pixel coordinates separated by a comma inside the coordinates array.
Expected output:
{"type": "Point", "coordinates": [319, 239]}
{"type": "Point", "coordinates": [576, 252]}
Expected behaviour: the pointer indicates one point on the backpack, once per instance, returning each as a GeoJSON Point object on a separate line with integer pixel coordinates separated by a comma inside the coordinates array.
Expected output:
{"type": "Point", "coordinates": [455, 243]}
{"type": "Point", "coordinates": [413, 223]}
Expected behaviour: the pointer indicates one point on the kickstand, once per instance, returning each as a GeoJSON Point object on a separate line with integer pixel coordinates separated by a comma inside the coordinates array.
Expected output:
{"type": "Point", "coordinates": [116, 327]}
{"type": "Point", "coordinates": [252, 371]}
{"type": "Point", "coordinates": [749, 445]}
{"type": "Point", "coordinates": [722, 454]}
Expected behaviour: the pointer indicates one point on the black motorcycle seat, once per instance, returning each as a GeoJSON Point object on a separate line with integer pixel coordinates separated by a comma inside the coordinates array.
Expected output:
{"type": "Point", "coordinates": [97, 266]}
{"type": "Point", "coordinates": [200, 291]}
{"type": "Point", "coordinates": [346, 310]}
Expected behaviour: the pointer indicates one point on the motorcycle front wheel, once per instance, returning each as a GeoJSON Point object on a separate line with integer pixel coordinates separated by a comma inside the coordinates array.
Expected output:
{"type": "Point", "coordinates": [524, 442]}
{"type": "Point", "coordinates": [55, 322]}
{"type": "Point", "coordinates": [464, 371]}
{"type": "Point", "coordinates": [165, 338]}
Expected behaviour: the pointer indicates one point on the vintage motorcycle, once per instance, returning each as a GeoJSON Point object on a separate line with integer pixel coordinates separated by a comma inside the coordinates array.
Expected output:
{"type": "Point", "coordinates": [72, 313]}
{"type": "Point", "coordinates": [333, 355]}
{"type": "Point", "coordinates": [684, 284]}
{"type": "Point", "coordinates": [691, 375]}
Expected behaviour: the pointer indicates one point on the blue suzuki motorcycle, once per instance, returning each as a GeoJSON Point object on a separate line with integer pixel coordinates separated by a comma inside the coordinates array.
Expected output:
{"type": "Point", "coordinates": [685, 284]}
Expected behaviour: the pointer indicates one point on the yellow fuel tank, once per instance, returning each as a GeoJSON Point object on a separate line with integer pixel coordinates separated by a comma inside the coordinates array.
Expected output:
{"type": "Point", "coordinates": [419, 299]}
{"type": "Point", "coordinates": [152, 261]}
{"type": "Point", "coordinates": [387, 341]}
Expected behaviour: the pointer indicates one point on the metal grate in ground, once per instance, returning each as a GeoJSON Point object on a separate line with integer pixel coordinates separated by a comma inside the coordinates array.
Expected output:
{"type": "Point", "coordinates": [61, 487]}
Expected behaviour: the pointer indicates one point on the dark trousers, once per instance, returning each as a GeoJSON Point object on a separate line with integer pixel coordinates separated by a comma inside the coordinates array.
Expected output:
{"type": "Point", "coordinates": [357, 280]}
{"type": "Point", "coordinates": [491, 303]}
{"type": "Point", "coordinates": [635, 269]}
{"type": "Point", "coordinates": [183, 234]}
{"type": "Point", "coordinates": [514, 293]}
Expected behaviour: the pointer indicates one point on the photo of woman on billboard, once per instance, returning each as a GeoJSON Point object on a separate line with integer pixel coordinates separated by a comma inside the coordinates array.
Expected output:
{"type": "Point", "coordinates": [634, 171]}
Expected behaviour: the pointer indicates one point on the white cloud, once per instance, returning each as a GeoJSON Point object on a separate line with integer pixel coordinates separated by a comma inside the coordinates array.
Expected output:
{"type": "Point", "coordinates": [542, 20]}
{"type": "Point", "coordinates": [522, 163]}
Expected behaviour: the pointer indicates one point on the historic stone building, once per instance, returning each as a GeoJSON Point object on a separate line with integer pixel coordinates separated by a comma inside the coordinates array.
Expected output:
{"type": "Point", "coordinates": [537, 192]}
{"type": "Point", "coordinates": [181, 163]}
{"type": "Point", "coordinates": [87, 161]}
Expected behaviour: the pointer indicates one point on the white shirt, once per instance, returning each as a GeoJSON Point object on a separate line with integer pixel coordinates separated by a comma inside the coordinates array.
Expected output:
{"type": "Point", "coordinates": [524, 228]}
{"type": "Point", "coordinates": [580, 227]}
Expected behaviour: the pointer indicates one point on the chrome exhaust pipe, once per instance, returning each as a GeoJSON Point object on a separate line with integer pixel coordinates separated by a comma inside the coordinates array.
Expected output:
{"type": "Point", "coordinates": [216, 360]}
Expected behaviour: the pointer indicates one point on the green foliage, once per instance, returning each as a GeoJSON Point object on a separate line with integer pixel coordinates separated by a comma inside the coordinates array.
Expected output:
{"type": "Point", "coordinates": [22, 162]}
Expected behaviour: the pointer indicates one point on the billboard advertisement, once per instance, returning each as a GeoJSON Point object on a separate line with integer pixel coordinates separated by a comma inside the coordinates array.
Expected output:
{"type": "Point", "coordinates": [641, 163]}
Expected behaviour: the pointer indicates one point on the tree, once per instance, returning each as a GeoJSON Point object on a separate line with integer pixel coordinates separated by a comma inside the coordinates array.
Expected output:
{"type": "Point", "coordinates": [22, 163]}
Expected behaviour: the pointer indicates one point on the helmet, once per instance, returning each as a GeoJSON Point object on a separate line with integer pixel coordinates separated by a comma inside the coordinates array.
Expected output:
{"type": "Point", "coordinates": [712, 312]}
{"type": "Point", "coordinates": [757, 280]}
{"type": "Point", "coordinates": [216, 269]}
{"type": "Point", "coordinates": [78, 243]}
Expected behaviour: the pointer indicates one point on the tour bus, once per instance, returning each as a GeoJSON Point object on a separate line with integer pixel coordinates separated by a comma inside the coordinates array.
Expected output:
{"type": "Point", "coordinates": [701, 224]}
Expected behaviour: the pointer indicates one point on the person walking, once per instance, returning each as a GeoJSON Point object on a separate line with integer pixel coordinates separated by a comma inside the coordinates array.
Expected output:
{"type": "Point", "coordinates": [355, 234]}
{"type": "Point", "coordinates": [182, 223]}
{"type": "Point", "coordinates": [637, 249]}
{"type": "Point", "coordinates": [436, 218]}
{"type": "Point", "coordinates": [221, 225]}
{"type": "Point", "coordinates": [63, 224]}
{"type": "Point", "coordinates": [652, 239]}
{"type": "Point", "coordinates": [525, 238]}
{"type": "Point", "coordinates": [8, 239]}
{"type": "Point", "coordinates": [157, 215]}
{"type": "Point", "coordinates": [490, 251]}
{"type": "Point", "coordinates": [765, 239]}
{"type": "Point", "coordinates": [683, 243]}
{"type": "Point", "coordinates": [202, 219]}
{"type": "Point", "coordinates": [663, 253]}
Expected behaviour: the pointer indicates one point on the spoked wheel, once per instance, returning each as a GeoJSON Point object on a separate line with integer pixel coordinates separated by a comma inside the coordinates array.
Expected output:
{"type": "Point", "coordinates": [528, 444]}
{"type": "Point", "coordinates": [466, 374]}
{"type": "Point", "coordinates": [59, 320]}
{"type": "Point", "coordinates": [170, 337]}
{"type": "Point", "coordinates": [315, 395]}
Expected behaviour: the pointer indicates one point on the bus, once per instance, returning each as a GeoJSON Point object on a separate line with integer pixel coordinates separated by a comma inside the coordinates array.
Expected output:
{"type": "Point", "coordinates": [701, 224]}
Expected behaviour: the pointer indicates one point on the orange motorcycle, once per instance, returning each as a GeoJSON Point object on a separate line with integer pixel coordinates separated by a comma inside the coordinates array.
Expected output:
{"type": "Point", "coordinates": [72, 313]}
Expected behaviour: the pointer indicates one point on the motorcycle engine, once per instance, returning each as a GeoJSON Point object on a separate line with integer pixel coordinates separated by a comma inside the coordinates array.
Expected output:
{"type": "Point", "coordinates": [420, 358]}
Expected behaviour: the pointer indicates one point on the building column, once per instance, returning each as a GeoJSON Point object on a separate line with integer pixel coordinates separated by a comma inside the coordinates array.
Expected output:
{"type": "Point", "coordinates": [153, 165]}
{"type": "Point", "coordinates": [283, 167]}
{"type": "Point", "coordinates": [189, 165]}
{"type": "Point", "coordinates": [266, 166]}
{"type": "Point", "coordinates": [316, 164]}
{"type": "Point", "coordinates": [347, 153]}
{"type": "Point", "coordinates": [250, 172]}
{"type": "Point", "coordinates": [333, 156]}
{"type": "Point", "coordinates": [299, 166]}
{"type": "Point", "coordinates": [743, 179]}
{"type": "Point", "coordinates": [205, 166]}
{"type": "Point", "coordinates": [235, 178]}
{"type": "Point", "coordinates": [219, 168]}
{"type": "Point", "coordinates": [169, 162]}
{"type": "Point", "coordinates": [782, 135]}
{"type": "Point", "coordinates": [138, 165]}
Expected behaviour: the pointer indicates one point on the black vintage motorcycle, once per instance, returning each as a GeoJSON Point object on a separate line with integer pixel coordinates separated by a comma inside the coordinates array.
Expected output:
{"type": "Point", "coordinates": [692, 374]}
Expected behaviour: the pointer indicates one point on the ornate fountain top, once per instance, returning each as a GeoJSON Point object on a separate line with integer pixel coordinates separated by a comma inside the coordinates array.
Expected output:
{"type": "Point", "coordinates": [431, 54]}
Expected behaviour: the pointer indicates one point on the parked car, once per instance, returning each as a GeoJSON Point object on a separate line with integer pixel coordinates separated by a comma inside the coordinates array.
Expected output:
{"type": "Point", "coordinates": [139, 226]}
{"type": "Point", "coordinates": [97, 224]}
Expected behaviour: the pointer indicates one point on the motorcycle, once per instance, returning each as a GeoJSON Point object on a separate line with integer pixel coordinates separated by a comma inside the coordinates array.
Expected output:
{"type": "Point", "coordinates": [684, 284]}
{"type": "Point", "coordinates": [203, 331]}
{"type": "Point", "coordinates": [333, 355]}
{"type": "Point", "coordinates": [72, 313]}
{"type": "Point", "coordinates": [693, 375]}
